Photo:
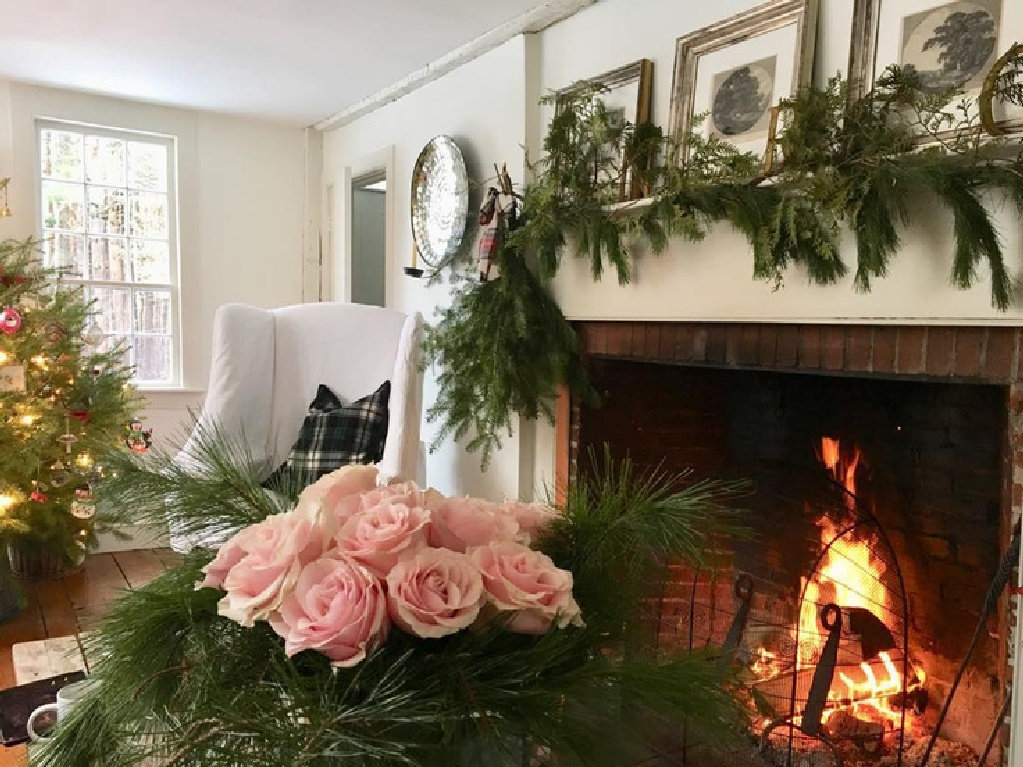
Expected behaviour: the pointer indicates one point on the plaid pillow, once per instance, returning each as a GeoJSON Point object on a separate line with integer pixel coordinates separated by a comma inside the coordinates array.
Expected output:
{"type": "Point", "coordinates": [335, 435]}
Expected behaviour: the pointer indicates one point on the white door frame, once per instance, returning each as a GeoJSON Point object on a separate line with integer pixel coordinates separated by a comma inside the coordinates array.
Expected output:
{"type": "Point", "coordinates": [339, 264]}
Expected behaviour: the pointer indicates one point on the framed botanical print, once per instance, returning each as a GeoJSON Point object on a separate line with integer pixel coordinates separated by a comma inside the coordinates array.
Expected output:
{"type": "Point", "coordinates": [734, 72]}
{"type": "Point", "coordinates": [950, 43]}
{"type": "Point", "coordinates": [627, 97]}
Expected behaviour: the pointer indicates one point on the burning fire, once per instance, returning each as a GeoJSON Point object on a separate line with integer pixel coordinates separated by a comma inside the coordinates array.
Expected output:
{"type": "Point", "coordinates": [848, 576]}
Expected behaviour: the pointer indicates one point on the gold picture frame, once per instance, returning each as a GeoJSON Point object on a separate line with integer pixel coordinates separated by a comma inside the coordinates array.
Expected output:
{"type": "Point", "coordinates": [620, 81]}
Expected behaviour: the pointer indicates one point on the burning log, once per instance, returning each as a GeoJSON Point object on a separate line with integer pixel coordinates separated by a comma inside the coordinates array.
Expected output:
{"type": "Point", "coordinates": [843, 724]}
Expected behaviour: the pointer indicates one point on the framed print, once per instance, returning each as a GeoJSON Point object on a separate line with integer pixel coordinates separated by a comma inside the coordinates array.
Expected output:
{"type": "Point", "coordinates": [734, 72]}
{"type": "Point", "coordinates": [950, 43]}
{"type": "Point", "coordinates": [627, 98]}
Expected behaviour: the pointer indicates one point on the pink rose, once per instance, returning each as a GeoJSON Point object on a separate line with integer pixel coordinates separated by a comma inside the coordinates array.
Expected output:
{"type": "Point", "coordinates": [527, 583]}
{"type": "Point", "coordinates": [461, 523]}
{"type": "Point", "coordinates": [407, 493]}
{"type": "Point", "coordinates": [337, 608]}
{"type": "Point", "coordinates": [532, 517]}
{"type": "Point", "coordinates": [379, 536]}
{"type": "Point", "coordinates": [231, 552]}
{"type": "Point", "coordinates": [272, 553]}
{"type": "Point", "coordinates": [434, 593]}
{"type": "Point", "coordinates": [339, 493]}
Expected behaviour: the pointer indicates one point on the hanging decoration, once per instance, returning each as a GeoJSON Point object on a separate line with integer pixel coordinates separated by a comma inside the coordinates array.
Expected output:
{"type": "Point", "coordinates": [10, 321]}
{"type": "Point", "coordinates": [137, 439]}
{"type": "Point", "coordinates": [839, 162]}
{"type": "Point", "coordinates": [498, 215]}
{"type": "Point", "coordinates": [84, 505]}
{"type": "Point", "coordinates": [93, 336]}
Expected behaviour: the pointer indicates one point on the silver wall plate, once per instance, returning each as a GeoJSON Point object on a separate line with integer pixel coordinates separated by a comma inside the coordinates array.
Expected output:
{"type": "Point", "coordinates": [440, 200]}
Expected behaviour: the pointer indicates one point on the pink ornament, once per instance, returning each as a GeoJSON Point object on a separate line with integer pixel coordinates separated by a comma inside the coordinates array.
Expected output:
{"type": "Point", "coordinates": [10, 321]}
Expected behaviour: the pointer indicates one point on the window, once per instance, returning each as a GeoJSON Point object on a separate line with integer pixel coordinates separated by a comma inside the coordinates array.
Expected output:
{"type": "Point", "coordinates": [108, 219]}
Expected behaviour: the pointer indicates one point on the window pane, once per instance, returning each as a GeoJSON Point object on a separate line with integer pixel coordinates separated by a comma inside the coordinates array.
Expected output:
{"type": "Point", "coordinates": [147, 166]}
{"type": "Point", "coordinates": [67, 251]}
{"type": "Point", "coordinates": [104, 160]}
{"type": "Point", "coordinates": [153, 359]}
{"type": "Point", "coordinates": [113, 309]}
{"type": "Point", "coordinates": [61, 154]}
{"type": "Point", "coordinates": [63, 206]}
{"type": "Point", "coordinates": [106, 210]}
{"type": "Point", "coordinates": [117, 343]}
{"type": "Point", "coordinates": [152, 311]}
{"type": "Point", "coordinates": [148, 215]}
{"type": "Point", "coordinates": [151, 261]}
{"type": "Point", "coordinates": [109, 258]}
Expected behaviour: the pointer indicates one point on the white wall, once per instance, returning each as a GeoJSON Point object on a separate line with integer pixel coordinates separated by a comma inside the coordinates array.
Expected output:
{"type": "Point", "coordinates": [241, 209]}
{"type": "Point", "coordinates": [482, 105]}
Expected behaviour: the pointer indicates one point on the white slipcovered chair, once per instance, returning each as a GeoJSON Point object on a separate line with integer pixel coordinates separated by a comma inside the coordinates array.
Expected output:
{"type": "Point", "coordinates": [267, 365]}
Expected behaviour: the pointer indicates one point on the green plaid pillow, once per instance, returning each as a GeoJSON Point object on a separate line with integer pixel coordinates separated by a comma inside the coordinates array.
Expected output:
{"type": "Point", "coordinates": [335, 435]}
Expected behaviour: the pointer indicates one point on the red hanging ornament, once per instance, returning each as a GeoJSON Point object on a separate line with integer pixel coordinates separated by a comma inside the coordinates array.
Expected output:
{"type": "Point", "coordinates": [38, 496]}
{"type": "Point", "coordinates": [10, 321]}
{"type": "Point", "coordinates": [79, 415]}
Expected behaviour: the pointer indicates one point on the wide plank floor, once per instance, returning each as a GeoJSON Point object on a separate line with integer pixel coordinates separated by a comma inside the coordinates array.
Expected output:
{"type": "Point", "coordinates": [72, 605]}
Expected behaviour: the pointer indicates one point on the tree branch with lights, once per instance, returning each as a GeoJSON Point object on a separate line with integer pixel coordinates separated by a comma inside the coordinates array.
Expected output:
{"type": "Point", "coordinates": [64, 403]}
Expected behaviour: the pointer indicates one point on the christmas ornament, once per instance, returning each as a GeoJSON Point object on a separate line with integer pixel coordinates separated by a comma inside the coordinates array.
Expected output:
{"type": "Point", "coordinates": [11, 279]}
{"type": "Point", "coordinates": [137, 439]}
{"type": "Point", "coordinates": [10, 321]}
{"type": "Point", "coordinates": [93, 335]}
{"type": "Point", "coordinates": [80, 415]}
{"type": "Point", "coordinates": [67, 439]}
{"type": "Point", "coordinates": [54, 333]}
{"type": "Point", "coordinates": [37, 496]}
{"type": "Point", "coordinates": [12, 378]}
{"type": "Point", "coordinates": [84, 506]}
{"type": "Point", "coordinates": [60, 476]}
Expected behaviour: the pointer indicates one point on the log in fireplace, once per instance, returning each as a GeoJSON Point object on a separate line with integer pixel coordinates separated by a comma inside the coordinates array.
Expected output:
{"type": "Point", "coordinates": [882, 461]}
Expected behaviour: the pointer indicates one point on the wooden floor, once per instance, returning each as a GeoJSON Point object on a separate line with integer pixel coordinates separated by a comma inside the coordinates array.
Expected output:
{"type": "Point", "coordinates": [72, 605]}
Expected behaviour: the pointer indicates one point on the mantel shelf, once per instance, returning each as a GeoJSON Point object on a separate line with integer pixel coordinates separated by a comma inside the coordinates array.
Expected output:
{"type": "Point", "coordinates": [628, 206]}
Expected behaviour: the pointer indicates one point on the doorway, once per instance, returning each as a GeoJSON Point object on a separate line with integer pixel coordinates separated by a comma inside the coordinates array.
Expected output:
{"type": "Point", "coordinates": [369, 238]}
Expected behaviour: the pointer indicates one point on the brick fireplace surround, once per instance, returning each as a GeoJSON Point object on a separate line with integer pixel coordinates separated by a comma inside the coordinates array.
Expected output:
{"type": "Point", "coordinates": [978, 355]}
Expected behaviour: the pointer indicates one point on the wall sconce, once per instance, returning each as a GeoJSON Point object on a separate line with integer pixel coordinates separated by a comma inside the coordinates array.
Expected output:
{"type": "Point", "coordinates": [5, 211]}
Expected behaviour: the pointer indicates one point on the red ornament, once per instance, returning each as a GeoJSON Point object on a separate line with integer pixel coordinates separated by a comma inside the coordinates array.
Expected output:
{"type": "Point", "coordinates": [38, 496]}
{"type": "Point", "coordinates": [10, 321]}
{"type": "Point", "coordinates": [79, 415]}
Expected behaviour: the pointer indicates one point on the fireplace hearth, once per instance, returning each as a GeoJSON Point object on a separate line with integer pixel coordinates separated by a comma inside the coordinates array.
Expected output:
{"type": "Point", "coordinates": [883, 500]}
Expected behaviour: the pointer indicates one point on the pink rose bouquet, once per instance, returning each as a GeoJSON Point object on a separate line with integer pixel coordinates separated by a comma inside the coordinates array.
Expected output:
{"type": "Point", "coordinates": [351, 559]}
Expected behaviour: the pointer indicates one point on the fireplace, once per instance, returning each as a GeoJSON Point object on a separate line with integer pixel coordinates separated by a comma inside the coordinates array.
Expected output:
{"type": "Point", "coordinates": [882, 500]}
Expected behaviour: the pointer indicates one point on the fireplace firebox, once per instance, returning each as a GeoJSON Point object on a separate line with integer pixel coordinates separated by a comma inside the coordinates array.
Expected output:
{"type": "Point", "coordinates": [882, 500]}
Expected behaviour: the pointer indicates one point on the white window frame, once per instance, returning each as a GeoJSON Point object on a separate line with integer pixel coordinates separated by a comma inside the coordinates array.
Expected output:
{"type": "Point", "coordinates": [173, 287]}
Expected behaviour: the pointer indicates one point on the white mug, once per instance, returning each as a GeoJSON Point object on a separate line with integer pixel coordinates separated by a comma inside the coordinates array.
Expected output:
{"type": "Point", "coordinates": [67, 697]}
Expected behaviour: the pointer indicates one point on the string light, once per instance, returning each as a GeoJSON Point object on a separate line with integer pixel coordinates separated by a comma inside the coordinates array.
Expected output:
{"type": "Point", "coordinates": [6, 501]}
{"type": "Point", "coordinates": [3, 358]}
{"type": "Point", "coordinates": [40, 360]}
{"type": "Point", "coordinates": [28, 420]}
{"type": "Point", "coordinates": [84, 461]}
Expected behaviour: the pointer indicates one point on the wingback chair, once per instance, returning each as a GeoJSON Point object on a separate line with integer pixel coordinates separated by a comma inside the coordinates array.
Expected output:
{"type": "Point", "coordinates": [267, 365]}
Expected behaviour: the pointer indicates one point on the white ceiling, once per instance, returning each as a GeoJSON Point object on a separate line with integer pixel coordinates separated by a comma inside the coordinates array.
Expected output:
{"type": "Point", "coordinates": [292, 60]}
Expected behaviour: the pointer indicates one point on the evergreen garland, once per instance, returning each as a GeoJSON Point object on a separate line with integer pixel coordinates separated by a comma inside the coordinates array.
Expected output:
{"type": "Point", "coordinates": [860, 164]}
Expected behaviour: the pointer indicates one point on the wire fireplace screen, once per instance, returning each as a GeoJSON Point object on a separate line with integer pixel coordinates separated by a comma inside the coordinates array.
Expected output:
{"type": "Point", "coordinates": [812, 614]}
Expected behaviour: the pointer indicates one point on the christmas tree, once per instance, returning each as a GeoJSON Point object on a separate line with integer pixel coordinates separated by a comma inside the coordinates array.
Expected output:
{"type": "Point", "coordinates": [64, 403]}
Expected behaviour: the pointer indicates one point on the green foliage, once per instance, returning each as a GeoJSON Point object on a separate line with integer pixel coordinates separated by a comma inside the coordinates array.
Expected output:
{"type": "Point", "coordinates": [180, 682]}
{"type": "Point", "coordinates": [502, 347]}
{"type": "Point", "coordinates": [861, 164]}
{"type": "Point", "coordinates": [63, 376]}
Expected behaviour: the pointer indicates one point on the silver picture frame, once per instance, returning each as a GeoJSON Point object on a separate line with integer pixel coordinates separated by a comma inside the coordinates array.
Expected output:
{"type": "Point", "coordinates": [735, 30]}
{"type": "Point", "coordinates": [865, 47]}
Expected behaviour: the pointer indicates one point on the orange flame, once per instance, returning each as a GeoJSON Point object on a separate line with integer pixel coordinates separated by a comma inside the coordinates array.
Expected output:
{"type": "Point", "coordinates": [847, 576]}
